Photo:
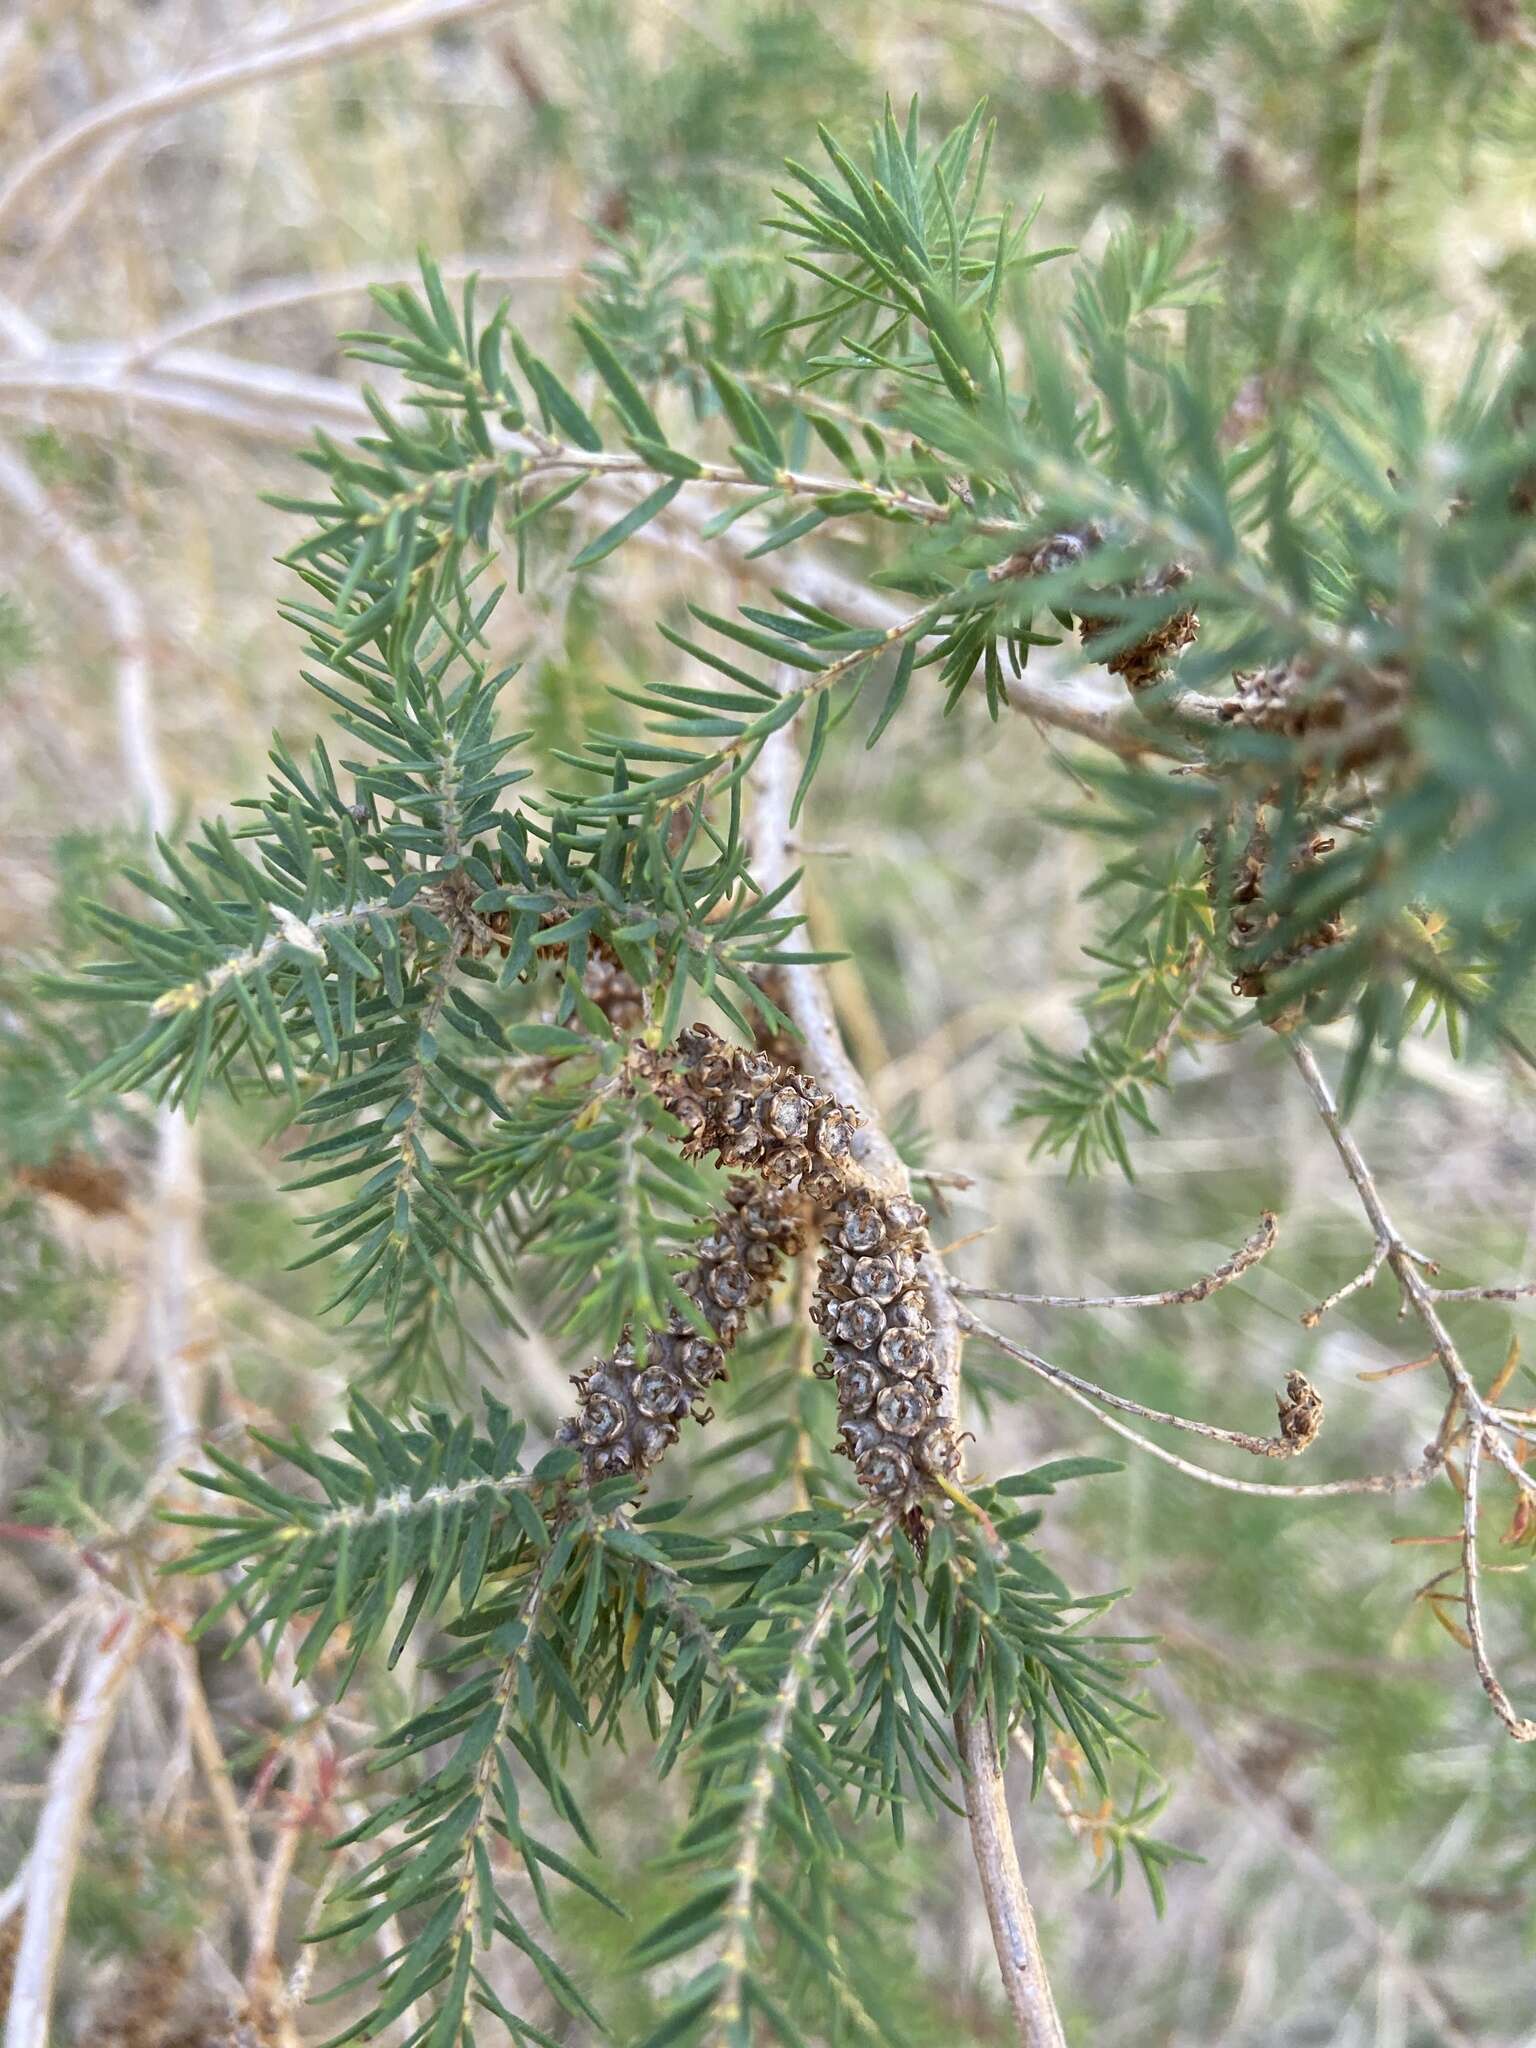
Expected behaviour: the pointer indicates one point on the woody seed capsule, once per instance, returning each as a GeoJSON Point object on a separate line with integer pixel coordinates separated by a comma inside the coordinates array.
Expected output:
{"type": "Point", "coordinates": [901, 1409]}
{"type": "Point", "coordinates": [857, 1386]}
{"type": "Point", "coordinates": [875, 1279]}
{"type": "Point", "coordinates": [860, 1324]}
{"type": "Point", "coordinates": [730, 1284]}
{"type": "Point", "coordinates": [906, 1352]}
{"type": "Point", "coordinates": [862, 1228]}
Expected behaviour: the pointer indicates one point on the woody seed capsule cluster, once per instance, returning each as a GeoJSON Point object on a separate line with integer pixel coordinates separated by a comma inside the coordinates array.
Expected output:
{"type": "Point", "coordinates": [605, 980]}
{"type": "Point", "coordinates": [783, 1128]}
{"type": "Point", "coordinates": [632, 1401]}
{"type": "Point", "coordinates": [1301, 1414]}
{"type": "Point", "coordinates": [1346, 727]}
{"type": "Point", "coordinates": [1241, 896]}
{"type": "Point", "coordinates": [609, 983]}
{"type": "Point", "coordinates": [757, 1116]}
{"type": "Point", "coordinates": [873, 1313]}
{"type": "Point", "coordinates": [1148, 660]}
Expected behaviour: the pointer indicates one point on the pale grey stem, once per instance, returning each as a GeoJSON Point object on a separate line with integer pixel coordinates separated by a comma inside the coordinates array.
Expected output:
{"type": "Point", "coordinates": [221, 1791]}
{"type": "Point", "coordinates": [176, 1194]}
{"type": "Point", "coordinates": [132, 109]}
{"type": "Point", "coordinates": [1088, 1396]}
{"type": "Point", "coordinates": [61, 1824]}
{"type": "Point", "coordinates": [1512, 1290]}
{"type": "Point", "coordinates": [1258, 1245]}
{"type": "Point", "coordinates": [1404, 1261]}
{"type": "Point", "coordinates": [1362, 1279]}
{"type": "Point", "coordinates": [126, 628]}
{"type": "Point", "coordinates": [1484, 1424]}
{"type": "Point", "coordinates": [1015, 1938]}
{"type": "Point", "coordinates": [1069, 1382]}
{"type": "Point", "coordinates": [277, 294]}
{"type": "Point", "coordinates": [1522, 1729]}
{"type": "Point", "coordinates": [1020, 1960]}
{"type": "Point", "coordinates": [268, 403]}
{"type": "Point", "coordinates": [295, 1695]}
{"type": "Point", "coordinates": [172, 1254]}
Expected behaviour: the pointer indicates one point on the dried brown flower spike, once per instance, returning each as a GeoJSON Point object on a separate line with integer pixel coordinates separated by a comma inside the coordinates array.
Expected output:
{"type": "Point", "coordinates": [632, 1402]}
{"type": "Point", "coordinates": [872, 1310]}
{"type": "Point", "coordinates": [1344, 728]}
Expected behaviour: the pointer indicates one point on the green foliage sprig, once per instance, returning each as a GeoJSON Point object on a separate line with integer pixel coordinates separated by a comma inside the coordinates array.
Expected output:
{"type": "Point", "coordinates": [1316, 629]}
{"type": "Point", "coordinates": [804, 1675]}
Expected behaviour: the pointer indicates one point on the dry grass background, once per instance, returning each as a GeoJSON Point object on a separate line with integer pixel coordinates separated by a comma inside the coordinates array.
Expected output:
{"type": "Point", "coordinates": [169, 298]}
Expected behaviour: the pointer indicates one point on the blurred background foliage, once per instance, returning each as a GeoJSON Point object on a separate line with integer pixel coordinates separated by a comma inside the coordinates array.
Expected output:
{"type": "Point", "coordinates": [1367, 1861]}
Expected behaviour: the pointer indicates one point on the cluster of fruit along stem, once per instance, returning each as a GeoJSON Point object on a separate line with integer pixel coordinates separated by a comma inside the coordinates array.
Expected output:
{"type": "Point", "coordinates": [790, 1148]}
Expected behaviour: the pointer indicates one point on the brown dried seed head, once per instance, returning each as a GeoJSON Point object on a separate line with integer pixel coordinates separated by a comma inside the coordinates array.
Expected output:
{"type": "Point", "coordinates": [938, 1450]}
{"type": "Point", "coordinates": [702, 1361]}
{"type": "Point", "coordinates": [787, 1166]}
{"type": "Point", "coordinates": [834, 1134]}
{"type": "Point", "coordinates": [626, 1419]}
{"type": "Point", "coordinates": [860, 1436]}
{"type": "Point", "coordinates": [785, 1113]}
{"type": "Point", "coordinates": [1301, 1411]}
{"type": "Point", "coordinates": [868, 1300]}
{"type": "Point", "coordinates": [652, 1440]}
{"type": "Point", "coordinates": [607, 1461]}
{"type": "Point", "coordinates": [730, 1283]}
{"type": "Point", "coordinates": [907, 1352]}
{"type": "Point", "coordinates": [602, 1419]}
{"type": "Point", "coordinates": [659, 1392]}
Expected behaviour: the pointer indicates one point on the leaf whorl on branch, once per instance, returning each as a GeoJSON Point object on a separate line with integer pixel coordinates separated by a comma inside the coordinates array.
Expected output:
{"type": "Point", "coordinates": [378, 958]}
{"type": "Point", "coordinates": [632, 1401]}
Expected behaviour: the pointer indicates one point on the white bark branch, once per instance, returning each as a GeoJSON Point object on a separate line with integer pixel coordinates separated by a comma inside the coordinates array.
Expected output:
{"type": "Point", "coordinates": [281, 59]}
{"type": "Point", "coordinates": [1485, 1426]}
{"type": "Point", "coordinates": [158, 376]}
{"type": "Point", "coordinates": [1020, 1960]}
{"type": "Point", "coordinates": [279, 294]}
{"type": "Point", "coordinates": [61, 1824]}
